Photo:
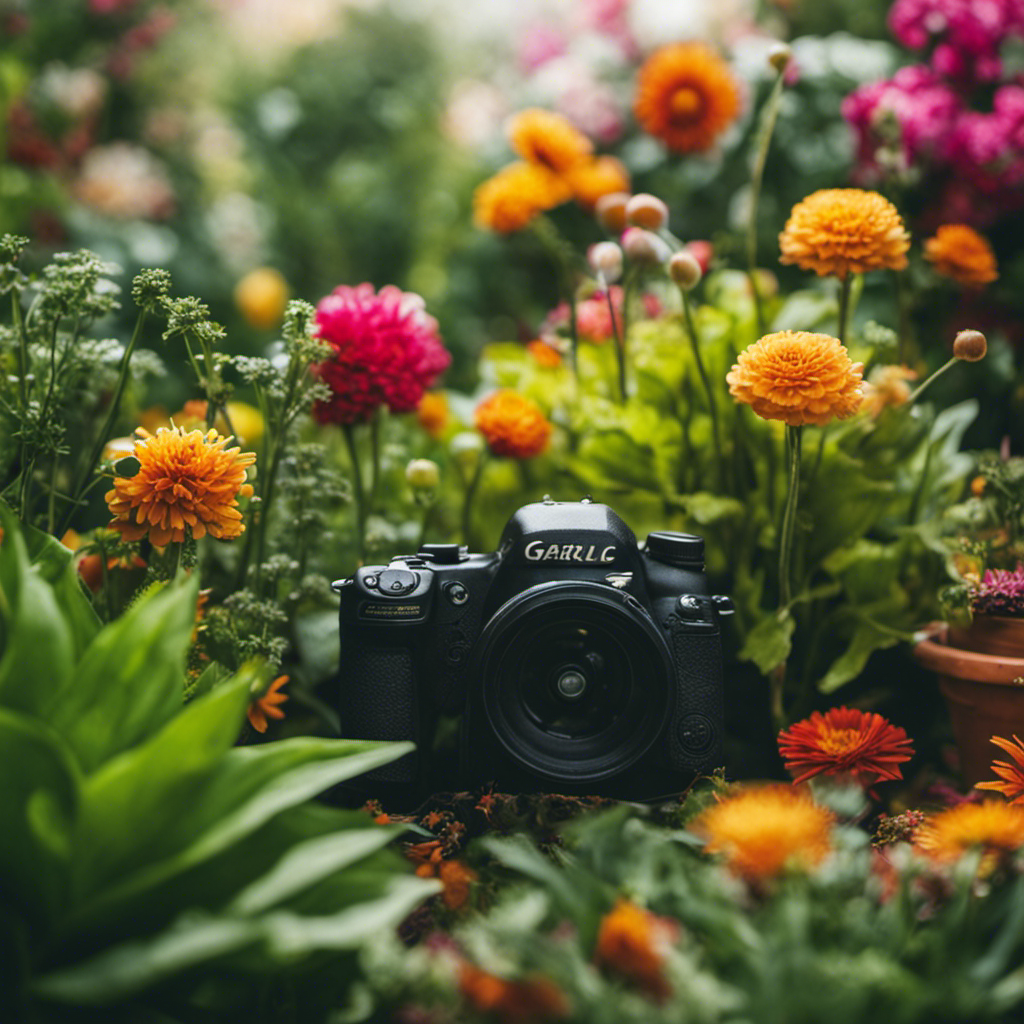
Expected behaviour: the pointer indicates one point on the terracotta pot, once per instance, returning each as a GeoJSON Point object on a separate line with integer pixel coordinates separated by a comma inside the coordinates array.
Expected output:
{"type": "Point", "coordinates": [984, 691]}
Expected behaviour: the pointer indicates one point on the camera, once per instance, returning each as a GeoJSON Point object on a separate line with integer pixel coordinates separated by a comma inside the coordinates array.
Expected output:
{"type": "Point", "coordinates": [579, 661]}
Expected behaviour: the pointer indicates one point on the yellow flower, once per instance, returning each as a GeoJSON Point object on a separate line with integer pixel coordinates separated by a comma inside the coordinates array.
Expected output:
{"type": "Point", "coordinates": [186, 480]}
{"type": "Point", "coordinates": [957, 251]}
{"type": "Point", "coordinates": [797, 377]}
{"type": "Point", "coordinates": [763, 831]}
{"type": "Point", "coordinates": [887, 386]}
{"type": "Point", "coordinates": [634, 942]}
{"type": "Point", "coordinates": [432, 413]}
{"type": "Point", "coordinates": [512, 425]}
{"type": "Point", "coordinates": [261, 297]}
{"type": "Point", "coordinates": [509, 200]}
{"type": "Point", "coordinates": [595, 179]}
{"type": "Point", "coordinates": [995, 827]}
{"type": "Point", "coordinates": [845, 230]}
{"type": "Point", "coordinates": [686, 96]}
{"type": "Point", "coordinates": [548, 139]}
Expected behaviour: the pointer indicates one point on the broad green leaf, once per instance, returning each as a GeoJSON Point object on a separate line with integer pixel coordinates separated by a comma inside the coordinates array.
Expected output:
{"type": "Point", "coordinates": [706, 508]}
{"type": "Point", "coordinates": [805, 311]}
{"type": "Point", "coordinates": [130, 680]}
{"type": "Point", "coordinates": [867, 638]}
{"type": "Point", "coordinates": [768, 644]}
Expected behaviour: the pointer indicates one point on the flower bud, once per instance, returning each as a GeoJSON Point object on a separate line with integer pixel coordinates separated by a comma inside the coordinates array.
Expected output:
{"type": "Point", "coordinates": [643, 247]}
{"type": "Point", "coordinates": [647, 211]}
{"type": "Point", "coordinates": [779, 56]}
{"type": "Point", "coordinates": [611, 212]}
{"type": "Point", "coordinates": [970, 346]}
{"type": "Point", "coordinates": [684, 269]}
{"type": "Point", "coordinates": [703, 252]}
{"type": "Point", "coordinates": [466, 448]}
{"type": "Point", "coordinates": [422, 475]}
{"type": "Point", "coordinates": [606, 259]}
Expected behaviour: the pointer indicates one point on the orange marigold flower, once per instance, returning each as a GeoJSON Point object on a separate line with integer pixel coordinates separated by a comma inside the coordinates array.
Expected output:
{"type": "Point", "coordinates": [186, 479]}
{"type": "Point", "coordinates": [764, 830]}
{"type": "Point", "coordinates": [456, 879]}
{"type": "Point", "coordinates": [509, 200]}
{"type": "Point", "coordinates": [844, 231]}
{"type": "Point", "coordinates": [512, 425]}
{"type": "Point", "coordinates": [595, 179]}
{"type": "Point", "coordinates": [845, 740]}
{"type": "Point", "coordinates": [512, 1002]}
{"type": "Point", "coordinates": [994, 826]}
{"type": "Point", "coordinates": [1012, 775]}
{"type": "Point", "coordinates": [548, 139]}
{"type": "Point", "coordinates": [887, 386]}
{"type": "Point", "coordinates": [543, 353]}
{"type": "Point", "coordinates": [797, 377]}
{"type": "Point", "coordinates": [432, 412]}
{"type": "Point", "coordinates": [957, 251]}
{"type": "Point", "coordinates": [634, 943]}
{"type": "Point", "coordinates": [90, 568]}
{"type": "Point", "coordinates": [686, 95]}
{"type": "Point", "coordinates": [267, 706]}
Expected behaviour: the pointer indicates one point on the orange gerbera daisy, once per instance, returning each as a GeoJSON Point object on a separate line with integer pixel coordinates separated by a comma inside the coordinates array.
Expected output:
{"type": "Point", "coordinates": [512, 1002]}
{"type": "Point", "coordinates": [595, 179]}
{"type": "Point", "coordinates": [686, 96]}
{"type": "Point", "coordinates": [1012, 775]}
{"type": "Point", "coordinates": [512, 425]}
{"type": "Point", "coordinates": [845, 231]}
{"type": "Point", "coordinates": [509, 200]}
{"type": "Point", "coordinates": [959, 252]}
{"type": "Point", "coordinates": [266, 706]}
{"type": "Point", "coordinates": [798, 377]}
{"type": "Point", "coordinates": [765, 830]}
{"type": "Point", "coordinates": [549, 139]}
{"type": "Point", "coordinates": [994, 826]}
{"type": "Point", "coordinates": [185, 480]}
{"type": "Point", "coordinates": [845, 740]}
{"type": "Point", "coordinates": [633, 942]}
{"type": "Point", "coordinates": [432, 413]}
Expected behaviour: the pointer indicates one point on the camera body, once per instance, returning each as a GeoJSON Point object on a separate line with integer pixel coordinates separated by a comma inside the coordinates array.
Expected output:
{"type": "Point", "coordinates": [579, 662]}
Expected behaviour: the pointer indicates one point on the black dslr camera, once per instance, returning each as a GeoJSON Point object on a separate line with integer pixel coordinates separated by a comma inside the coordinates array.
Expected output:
{"type": "Point", "coordinates": [580, 663]}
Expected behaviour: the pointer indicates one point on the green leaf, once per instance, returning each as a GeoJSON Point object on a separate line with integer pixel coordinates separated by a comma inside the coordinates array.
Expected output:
{"type": "Point", "coordinates": [130, 680]}
{"type": "Point", "coordinates": [768, 644]}
{"type": "Point", "coordinates": [706, 508]}
{"type": "Point", "coordinates": [867, 638]}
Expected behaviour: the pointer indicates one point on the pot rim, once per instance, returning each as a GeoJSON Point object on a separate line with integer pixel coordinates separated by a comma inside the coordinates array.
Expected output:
{"type": "Point", "coordinates": [935, 653]}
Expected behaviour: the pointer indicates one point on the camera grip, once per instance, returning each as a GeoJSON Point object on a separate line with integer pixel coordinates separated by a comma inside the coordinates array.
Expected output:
{"type": "Point", "coordinates": [695, 743]}
{"type": "Point", "coordinates": [379, 703]}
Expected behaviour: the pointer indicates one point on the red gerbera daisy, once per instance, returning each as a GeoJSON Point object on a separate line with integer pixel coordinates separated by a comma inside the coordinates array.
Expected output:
{"type": "Point", "coordinates": [845, 740]}
{"type": "Point", "coordinates": [1012, 786]}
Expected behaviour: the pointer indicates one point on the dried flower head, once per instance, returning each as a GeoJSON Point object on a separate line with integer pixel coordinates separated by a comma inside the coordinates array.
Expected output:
{"type": "Point", "coordinates": [513, 425]}
{"type": "Point", "coordinates": [549, 139]}
{"type": "Point", "coordinates": [386, 351]}
{"type": "Point", "coordinates": [267, 705]}
{"type": "Point", "coordinates": [995, 827]}
{"type": "Point", "coordinates": [1001, 592]}
{"type": "Point", "coordinates": [845, 741]}
{"type": "Point", "coordinates": [512, 1002]}
{"type": "Point", "coordinates": [957, 251]}
{"type": "Point", "coordinates": [797, 377]}
{"type": "Point", "coordinates": [887, 386]}
{"type": "Point", "coordinates": [187, 481]}
{"type": "Point", "coordinates": [634, 943]}
{"type": "Point", "coordinates": [1011, 776]}
{"type": "Point", "coordinates": [685, 270]}
{"type": "Point", "coordinates": [593, 180]}
{"type": "Point", "coordinates": [511, 199]}
{"type": "Point", "coordinates": [970, 346]}
{"type": "Point", "coordinates": [844, 231]}
{"type": "Point", "coordinates": [611, 211]}
{"type": "Point", "coordinates": [686, 96]}
{"type": "Point", "coordinates": [646, 211]}
{"type": "Point", "coordinates": [766, 830]}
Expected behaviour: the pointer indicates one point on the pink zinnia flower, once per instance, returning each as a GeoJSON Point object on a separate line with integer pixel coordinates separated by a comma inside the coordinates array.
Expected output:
{"type": "Point", "coordinates": [1001, 592]}
{"type": "Point", "coordinates": [387, 351]}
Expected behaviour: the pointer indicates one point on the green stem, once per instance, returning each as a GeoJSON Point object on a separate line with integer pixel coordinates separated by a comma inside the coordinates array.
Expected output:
{"type": "Point", "coordinates": [844, 305]}
{"type": "Point", "coordinates": [375, 431]}
{"type": "Point", "coordinates": [794, 437]}
{"type": "Point", "coordinates": [19, 325]}
{"type": "Point", "coordinates": [903, 311]}
{"type": "Point", "coordinates": [348, 432]}
{"type": "Point", "coordinates": [916, 394]}
{"type": "Point", "coordinates": [769, 116]}
{"type": "Point", "coordinates": [620, 343]}
{"type": "Point", "coordinates": [691, 330]}
{"type": "Point", "coordinates": [467, 503]}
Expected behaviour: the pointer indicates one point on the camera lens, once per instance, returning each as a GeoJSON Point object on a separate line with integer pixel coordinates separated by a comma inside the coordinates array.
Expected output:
{"type": "Point", "coordinates": [574, 682]}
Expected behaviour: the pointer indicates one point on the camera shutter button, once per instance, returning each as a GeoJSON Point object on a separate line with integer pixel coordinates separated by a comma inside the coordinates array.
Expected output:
{"type": "Point", "coordinates": [455, 592]}
{"type": "Point", "coordinates": [397, 582]}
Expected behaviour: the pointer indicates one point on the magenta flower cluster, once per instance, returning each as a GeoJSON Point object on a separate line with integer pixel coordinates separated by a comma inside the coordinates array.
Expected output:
{"type": "Point", "coordinates": [1001, 592]}
{"type": "Point", "coordinates": [924, 117]}
{"type": "Point", "coordinates": [387, 351]}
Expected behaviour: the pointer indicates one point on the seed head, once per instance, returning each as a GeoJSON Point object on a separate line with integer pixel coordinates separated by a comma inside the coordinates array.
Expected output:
{"type": "Point", "coordinates": [684, 269]}
{"type": "Point", "coordinates": [970, 346]}
{"type": "Point", "coordinates": [647, 211]}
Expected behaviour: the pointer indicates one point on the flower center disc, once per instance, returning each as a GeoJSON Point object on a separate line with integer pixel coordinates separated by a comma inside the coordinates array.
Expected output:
{"type": "Point", "coordinates": [839, 741]}
{"type": "Point", "coordinates": [686, 105]}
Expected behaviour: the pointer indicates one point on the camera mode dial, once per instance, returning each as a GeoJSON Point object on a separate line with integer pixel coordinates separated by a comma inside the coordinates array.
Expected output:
{"type": "Point", "coordinates": [397, 582]}
{"type": "Point", "coordinates": [685, 550]}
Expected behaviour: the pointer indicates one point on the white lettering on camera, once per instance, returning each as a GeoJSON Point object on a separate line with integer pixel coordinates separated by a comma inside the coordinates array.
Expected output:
{"type": "Point", "coordinates": [535, 551]}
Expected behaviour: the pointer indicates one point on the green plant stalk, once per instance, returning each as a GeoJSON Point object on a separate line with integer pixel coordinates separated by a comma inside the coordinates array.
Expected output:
{"type": "Point", "coordinates": [919, 390]}
{"type": "Point", "coordinates": [563, 255]}
{"type": "Point", "coordinates": [467, 502]}
{"type": "Point", "coordinates": [375, 431]}
{"type": "Point", "coordinates": [348, 432]}
{"type": "Point", "coordinates": [903, 312]}
{"type": "Point", "coordinates": [769, 117]}
{"type": "Point", "coordinates": [19, 326]}
{"type": "Point", "coordinates": [794, 446]}
{"type": "Point", "coordinates": [619, 339]}
{"type": "Point", "coordinates": [844, 305]}
{"type": "Point", "coordinates": [691, 330]}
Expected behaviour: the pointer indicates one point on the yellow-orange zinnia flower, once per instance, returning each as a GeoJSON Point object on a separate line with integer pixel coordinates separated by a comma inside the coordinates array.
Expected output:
{"type": "Point", "coordinates": [798, 377]}
{"type": "Point", "coordinates": [512, 425]}
{"type": "Point", "coordinates": [887, 386]}
{"type": "Point", "coordinates": [595, 179]}
{"type": "Point", "coordinates": [186, 480]}
{"type": "Point", "coordinates": [509, 200]}
{"type": "Point", "coordinates": [959, 252]}
{"type": "Point", "coordinates": [995, 827]}
{"type": "Point", "coordinates": [765, 830]}
{"type": "Point", "coordinates": [845, 741]}
{"type": "Point", "coordinates": [845, 231]}
{"type": "Point", "coordinates": [549, 139]}
{"type": "Point", "coordinates": [1012, 775]}
{"type": "Point", "coordinates": [432, 413]}
{"type": "Point", "coordinates": [686, 96]}
{"type": "Point", "coordinates": [266, 706]}
{"type": "Point", "coordinates": [633, 942]}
